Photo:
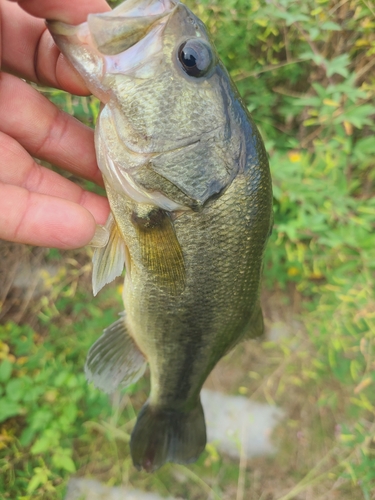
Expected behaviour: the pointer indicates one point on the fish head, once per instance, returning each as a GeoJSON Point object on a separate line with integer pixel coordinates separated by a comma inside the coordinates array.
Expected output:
{"type": "Point", "coordinates": [160, 41]}
{"type": "Point", "coordinates": [91, 45]}
{"type": "Point", "coordinates": [168, 94]}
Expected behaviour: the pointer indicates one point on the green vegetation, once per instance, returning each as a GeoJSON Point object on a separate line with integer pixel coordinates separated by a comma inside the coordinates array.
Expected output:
{"type": "Point", "coordinates": [306, 70]}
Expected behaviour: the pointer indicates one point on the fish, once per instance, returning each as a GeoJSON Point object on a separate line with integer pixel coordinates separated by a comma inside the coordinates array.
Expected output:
{"type": "Point", "coordinates": [188, 182]}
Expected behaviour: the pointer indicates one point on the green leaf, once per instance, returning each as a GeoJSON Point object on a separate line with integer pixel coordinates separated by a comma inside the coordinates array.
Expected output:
{"type": "Point", "coordinates": [39, 478]}
{"type": "Point", "coordinates": [292, 17]}
{"type": "Point", "coordinates": [61, 378]}
{"type": "Point", "coordinates": [34, 483]}
{"type": "Point", "coordinates": [41, 418]}
{"type": "Point", "coordinates": [67, 464]}
{"type": "Point", "coordinates": [15, 389]}
{"type": "Point", "coordinates": [6, 368]}
{"type": "Point", "coordinates": [62, 460]}
{"type": "Point", "coordinates": [358, 115]}
{"type": "Point", "coordinates": [27, 436]}
{"type": "Point", "coordinates": [338, 66]}
{"type": "Point", "coordinates": [8, 409]}
{"type": "Point", "coordinates": [330, 25]}
{"type": "Point", "coordinates": [47, 441]}
{"type": "Point", "coordinates": [366, 145]}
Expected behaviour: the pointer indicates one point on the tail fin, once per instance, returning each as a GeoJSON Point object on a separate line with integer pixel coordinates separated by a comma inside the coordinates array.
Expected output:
{"type": "Point", "coordinates": [161, 436]}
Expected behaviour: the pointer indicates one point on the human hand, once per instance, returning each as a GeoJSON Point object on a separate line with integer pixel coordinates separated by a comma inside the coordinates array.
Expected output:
{"type": "Point", "coordinates": [37, 205]}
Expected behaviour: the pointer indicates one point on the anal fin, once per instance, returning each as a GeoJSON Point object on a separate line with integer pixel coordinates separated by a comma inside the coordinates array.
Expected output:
{"type": "Point", "coordinates": [114, 360]}
{"type": "Point", "coordinates": [108, 261]}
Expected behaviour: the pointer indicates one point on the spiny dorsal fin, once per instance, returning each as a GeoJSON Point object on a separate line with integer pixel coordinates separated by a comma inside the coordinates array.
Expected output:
{"type": "Point", "coordinates": [108, 262]}
{"type": "Point", "coordinates": [160, 250]}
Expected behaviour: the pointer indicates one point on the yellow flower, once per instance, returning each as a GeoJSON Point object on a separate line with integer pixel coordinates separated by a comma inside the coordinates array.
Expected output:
{"type": "Point", "coordinates": [294, 156]}
{"type": "Point", "coordinates": [293, 271]}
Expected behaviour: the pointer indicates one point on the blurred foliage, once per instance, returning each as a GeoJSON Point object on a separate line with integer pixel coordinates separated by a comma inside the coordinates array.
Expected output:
{"type": "Point", "coordinates": [40, 386]}
{"type": "Point", "coordinates": [44, 400]}
{"type": "Point", "coordinates": [306, 71]}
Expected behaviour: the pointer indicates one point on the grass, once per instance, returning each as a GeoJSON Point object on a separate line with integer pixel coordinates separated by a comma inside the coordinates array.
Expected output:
{"type": "Point", "coordinates": [306, 72]}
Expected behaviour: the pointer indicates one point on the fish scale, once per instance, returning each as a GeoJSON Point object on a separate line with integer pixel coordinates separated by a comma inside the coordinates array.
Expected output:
{"type": "Point", "coordinates": [189, 187]}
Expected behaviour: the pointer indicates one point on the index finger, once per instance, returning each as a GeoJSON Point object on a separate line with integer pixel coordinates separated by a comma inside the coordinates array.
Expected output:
{"type": "Point", "coordinates": [28, 49]}
{"type": "Point", "coordinates": [69, 11]}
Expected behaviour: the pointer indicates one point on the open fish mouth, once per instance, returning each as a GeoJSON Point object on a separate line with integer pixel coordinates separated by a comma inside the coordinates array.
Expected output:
{"type": "Point", "coordinates": [126, 40]}
{"type": "Point", "coordinates": [140, 8]}
{"type": "Point", "coordinates": [113, 32]}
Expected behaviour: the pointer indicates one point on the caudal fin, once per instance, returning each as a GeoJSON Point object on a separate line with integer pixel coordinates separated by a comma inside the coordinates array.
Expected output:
{"type": "Point", "coordinates": [161, 436]}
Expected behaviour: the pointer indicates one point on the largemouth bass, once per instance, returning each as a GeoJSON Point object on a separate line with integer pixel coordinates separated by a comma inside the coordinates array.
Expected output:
{"type": "Point", "coordinates": [189, 187]}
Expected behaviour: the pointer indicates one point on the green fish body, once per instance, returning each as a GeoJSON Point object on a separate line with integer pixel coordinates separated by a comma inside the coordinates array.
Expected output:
{"type": "Point", "coordinates": [190, 192]}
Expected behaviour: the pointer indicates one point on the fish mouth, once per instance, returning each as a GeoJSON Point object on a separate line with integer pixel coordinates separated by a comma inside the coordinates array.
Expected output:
{"type": "Point", "coordinates": [126, 40]}
{"type": "Point", "coordinates": [140, 8]}
{"type": "Point", "coordinates": [113, 32]}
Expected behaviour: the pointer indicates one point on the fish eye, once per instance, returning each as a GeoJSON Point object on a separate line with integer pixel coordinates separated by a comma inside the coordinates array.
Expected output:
{"type": "Point", "coordinates": [196, 57]}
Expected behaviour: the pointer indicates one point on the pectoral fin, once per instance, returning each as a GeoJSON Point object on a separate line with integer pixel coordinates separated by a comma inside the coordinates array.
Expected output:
{"type": "Point", "coordinates": [108, 261]}
{"type": "Point", "coordinates": [160, 250]}
{"type": "Point", "coordinates": [100, 238]}
{"type": "Point", "coordinates": [114, 360]}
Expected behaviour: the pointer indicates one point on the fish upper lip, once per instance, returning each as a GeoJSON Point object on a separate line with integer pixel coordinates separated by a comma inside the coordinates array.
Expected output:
{"type": "Point", "coordinates": [141, 9]}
